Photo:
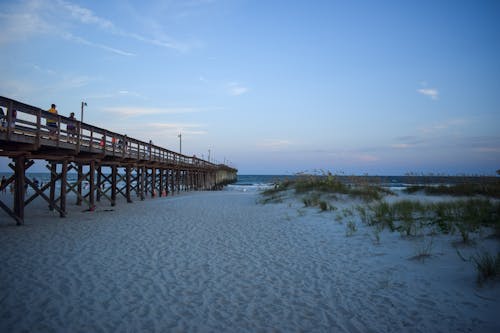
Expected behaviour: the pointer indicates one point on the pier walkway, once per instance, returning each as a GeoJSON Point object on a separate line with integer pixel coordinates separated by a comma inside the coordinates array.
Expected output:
{"type": "Point", "coordinates": [110, 163]}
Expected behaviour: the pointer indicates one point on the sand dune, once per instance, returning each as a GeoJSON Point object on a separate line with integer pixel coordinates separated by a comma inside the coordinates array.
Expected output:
{"type": "Point", "coordinates": [220, 262]}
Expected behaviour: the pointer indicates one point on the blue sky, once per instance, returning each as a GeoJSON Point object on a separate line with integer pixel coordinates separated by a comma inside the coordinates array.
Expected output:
{"type": "Point", "coordinates": [273, 87]}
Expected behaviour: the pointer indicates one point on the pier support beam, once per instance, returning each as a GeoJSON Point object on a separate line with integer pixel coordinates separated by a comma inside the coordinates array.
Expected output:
{"type": "Point", "coordinates": [113, 185]}
{"type": "Point", "coordinates": [62, 205]}
{"type": "Point", "coordinates": [92, 186]}
{"type": "Point", "coordinates": [19, 189]}
{"type": "Point", "coordinates": [79, 186]}
{"type": "Point", "coordinates": [128, 183]}
{"type": "Point", "coordinates": [53, 176]}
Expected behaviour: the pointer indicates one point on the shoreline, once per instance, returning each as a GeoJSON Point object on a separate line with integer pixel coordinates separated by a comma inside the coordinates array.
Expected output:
{"type": "Point", "coordinates": [219, 261]}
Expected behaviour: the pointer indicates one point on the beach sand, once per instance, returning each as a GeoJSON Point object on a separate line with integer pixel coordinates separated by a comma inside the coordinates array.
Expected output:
{"type": "Point", "coordinates": [221, 262]}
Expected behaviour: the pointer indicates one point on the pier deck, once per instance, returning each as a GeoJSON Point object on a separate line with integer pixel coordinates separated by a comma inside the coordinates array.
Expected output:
{"type": "Point", "coordinates": [90, 151]}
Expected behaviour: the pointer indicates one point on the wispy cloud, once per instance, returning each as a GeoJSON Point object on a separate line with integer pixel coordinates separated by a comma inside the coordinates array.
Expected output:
{"type": "Point", "coordinates": [184, 128]}
{"type": "Point", "coordinates": [439, 127]}
{"type": "Point", "coordinates": [83, 41]}
{"type": "Point", "coordinates": [236, 89]}
{"type": "Point", "coordinates": [117, 94]}
{"type": "Point", "coordinates": [366, 158]}
{"type": "Point", "coordinates": [432, 93]}
{"type": "Point", "coordinates": [130, 111]}
{"type": "Point", "coordinates": [274, 143]}
{"type": "Point", "coordinates": [401, 145]}
{"type": "Point", "coordinates": [21, 26]}
{"type": "Point", "coordinates": [86, 16]}
{"type": "Point", "coordinates": [34, 17]}
{"type": "Point", "coordinates": [488, 150]}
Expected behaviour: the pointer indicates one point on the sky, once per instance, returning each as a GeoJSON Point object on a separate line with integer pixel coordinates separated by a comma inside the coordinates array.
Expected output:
{"type": "Point", "coordinates": [271, 87]}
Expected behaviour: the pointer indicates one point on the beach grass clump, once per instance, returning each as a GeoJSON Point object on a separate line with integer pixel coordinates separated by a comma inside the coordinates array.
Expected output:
{"type": "Point", "coordinates": [351, 228]}
{"type": "Point", "coordinates": [464, 217]}
{"type": "Point", "coordinates": [382, 214]}
{"type": "Point", "coordinates": [368, 192]}
{"type": "Point", "coordinates": [443, 216]}
{"type": "Point", "coordinates": [275, 198]}
{"type": "Point", "coordinates": [275, 194]}
{"type": "Point", "coordinates": [487, 266]}
{"type": "Point", "coordinates": [278, 188]}
{"type": "Point", "coordinates": [490, 189]}
{"type": "Point", "coordinates": [311, 199]}
{"type": "Point", "coordinates": [404, 216]}
{"type": "Point", "coordinates": [324, 206]}
{"type": "Point", "coordinates": [409, 213]}
{"type": "Point", "coordinates": [329, 183]}
{"type": "Point", "coordinates": [326, 183]}
{"type": "Point", "coordinates": [424, 249]}
{"type": "Point", "coordinates": [363, 214]}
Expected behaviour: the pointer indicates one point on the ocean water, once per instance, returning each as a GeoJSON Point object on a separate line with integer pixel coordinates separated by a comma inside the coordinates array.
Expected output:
{"type": "Point", "coordinates": [256, 182]}
{"type": "Point", "coordinates": [262, 182]}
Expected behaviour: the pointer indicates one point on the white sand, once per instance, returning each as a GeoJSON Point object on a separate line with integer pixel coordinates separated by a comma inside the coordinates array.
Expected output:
{"type": "Point", "coordinates": [219, 262]}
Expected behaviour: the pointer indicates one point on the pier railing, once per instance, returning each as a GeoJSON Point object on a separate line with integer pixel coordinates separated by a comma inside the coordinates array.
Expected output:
{"type": "Point", "coordinates": [24, 123]}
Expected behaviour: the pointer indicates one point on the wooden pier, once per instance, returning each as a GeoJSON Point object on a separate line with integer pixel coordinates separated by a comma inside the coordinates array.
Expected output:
{"type": "Point", "coordinates": [132, 166]}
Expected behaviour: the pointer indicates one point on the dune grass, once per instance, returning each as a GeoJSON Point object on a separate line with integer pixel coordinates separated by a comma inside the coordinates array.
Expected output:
{"type": "Point", "coordinates": [491, 190]}
{"type": "Point", "coordinates": [462, 216]}
{"type": "Point", "coordinates": [411, 218]}
{"type": "Point", "coordinates": [487, 266]}
{"type": "Point", "coordinates": [312, 188]}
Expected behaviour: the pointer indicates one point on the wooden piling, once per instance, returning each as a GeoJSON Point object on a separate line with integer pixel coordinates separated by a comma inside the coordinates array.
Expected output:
{"type": "Point", "coordinates": [19, 190]}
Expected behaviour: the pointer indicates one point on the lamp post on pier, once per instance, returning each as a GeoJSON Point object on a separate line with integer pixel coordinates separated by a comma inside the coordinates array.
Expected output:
{"type": "Point", "coordinates": [81, 113]}
{"type": "Point", "coordinates": [81, 117]}
{"type": "Point", "coordinates": [180, 142]}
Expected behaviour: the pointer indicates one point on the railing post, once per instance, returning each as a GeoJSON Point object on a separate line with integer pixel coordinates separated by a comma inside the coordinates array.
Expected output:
{"type": "Point", "coordinates": [103, 141]}
{"type": "Point", "coordinates": [58, 136]}
{"type": "Point", "coordinates": [38, 128]}
{"type": "Point", "coordinates": [91, 142]}
{"type": "Point", "coordinates": [80, 136]}
{"type": "Point", "coordinates": [11, 122]}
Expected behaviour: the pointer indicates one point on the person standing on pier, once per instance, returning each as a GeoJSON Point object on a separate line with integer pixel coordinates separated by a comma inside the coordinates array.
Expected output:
{"type": "Point", "coordinates": [3, 119]}
{"type": "Point", "coordinates": [71, 128]}
{"type": "Point", "coordinates": [52, 123]}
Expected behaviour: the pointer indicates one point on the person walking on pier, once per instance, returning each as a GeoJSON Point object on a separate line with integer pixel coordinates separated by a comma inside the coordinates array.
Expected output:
{"type": "Point", "coordinates": [3, 119]}
{"type": "Point", "coordinates": [71, 127]}
{"type": "Point", "coordinates": [52, 123]}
